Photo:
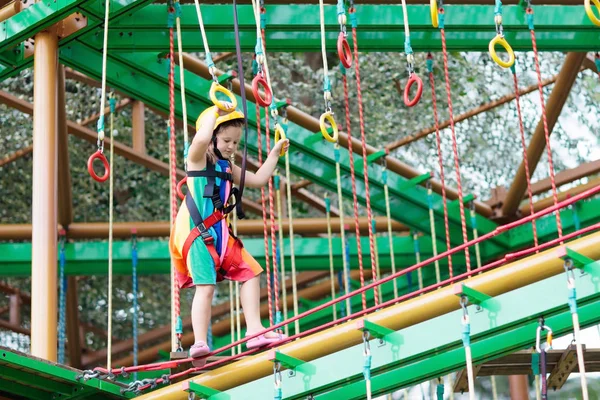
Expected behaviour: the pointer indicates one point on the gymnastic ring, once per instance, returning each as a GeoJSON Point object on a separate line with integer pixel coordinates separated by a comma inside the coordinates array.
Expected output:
{"type": "Point", "coordinates": [90, 164]}
{"type": "Point", "coordinates": [498, 39]}
{"type": "Point", "coordinates": [328, 117]}
{"type": "Point", "coordinates": [344, 51]}
{"type": "Point", "coordinates": [433, 9]}
{"type": "Point", "coordinates": [413, 78]}
{"type": "Point", "coordinates": [590, 13]}
{"type": "Point", "coordinates": [216, 87]}
{"type": "Point", "coordinates": [180, 187]}
{"type": "Point", "coordinates": [258, 81]}
{"type": "Point", "coordinates": [279, 135]}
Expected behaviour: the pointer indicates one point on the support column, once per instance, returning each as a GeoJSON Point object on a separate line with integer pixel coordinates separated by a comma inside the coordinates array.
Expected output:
{"type": "Point", "coordinates": [43, 203]}
{"type": "Point", "coordinates": [138, 127]}
{"type": "Point", "coordinates": [519, 387]}
{"type": "Point", "coordinates": [15, 310]}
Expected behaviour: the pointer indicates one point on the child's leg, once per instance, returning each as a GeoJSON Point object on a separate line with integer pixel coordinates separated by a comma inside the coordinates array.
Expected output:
{"type": "Point", "coordinates": [250, 299]}
{"type": "Point", "coordinates": [201, 310]}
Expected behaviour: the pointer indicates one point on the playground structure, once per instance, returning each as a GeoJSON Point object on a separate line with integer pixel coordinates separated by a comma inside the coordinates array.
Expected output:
{"type": "Point", "coordinates": [473, 263]}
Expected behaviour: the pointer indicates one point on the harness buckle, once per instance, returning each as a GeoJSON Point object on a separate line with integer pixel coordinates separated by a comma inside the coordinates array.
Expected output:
{"type": "Point", "coordinates": [205, 234]}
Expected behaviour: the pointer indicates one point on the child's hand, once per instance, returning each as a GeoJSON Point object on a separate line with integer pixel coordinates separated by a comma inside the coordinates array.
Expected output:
{"type": "Point", "coordinates": [225, 104]}
{"type": "Point", "coordinates": [282, 144]}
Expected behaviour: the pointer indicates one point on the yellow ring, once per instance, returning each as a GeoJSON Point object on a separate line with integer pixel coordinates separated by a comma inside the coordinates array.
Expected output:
{"type": "Point", "coordinates": [590, 13]}
{"type": "Point", "coordinates": [214, 88]}
{"type": "Point", "coordinates": [279, 135]}
{"type": "Point", "coordinates": [328, 116]}
{"type": "Point", "coordinates": [502, 42]}
{"type": "Point", "coordinates": [433, 8]}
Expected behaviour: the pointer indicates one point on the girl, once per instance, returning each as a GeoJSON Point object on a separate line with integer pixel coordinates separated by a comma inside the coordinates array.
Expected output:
{"type": "Point", "coordinates": [203, 248]}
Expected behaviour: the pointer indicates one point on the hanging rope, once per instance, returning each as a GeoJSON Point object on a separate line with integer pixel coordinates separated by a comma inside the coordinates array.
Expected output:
{"type": "Point", "coordinates": [415, 237]}
{"type": "Point", "coordinates": [327, 116]}
{"type": "Point", "coordinates": [535, 369]}
{"type": "Point", "coordinates": [330, 243]}
{"type": "Point", "coordinates": [439, 149]}
{"type": "Point", "coordinates": [338, 175]}
{"type": "Point", "coordinates": [112, 102]}
{"type": "Point", "coordinates": [576, 330]}
{"type": "Point", "coordinates": [363, 140]}
{"type": "Point", "coordinates": [410, 61]}
{"type": "Point", "coordinates": [525, 158]}
{"type": "Point", "coordinates": [62, 298]}
{"type": "Point", "coordinates": [466, 338]}
{"type": "Point", "coordinates": [529, 12]}
{"type": "Point", "coordinates": [541, 349]}
{"type": "Point", "coordinates": [367, 364]}
{"type": "Point", "coordinates": [354, 195]}
{"type": "Point", "coordinates": [176, 323]}
{"type": "Point", "coordinates": [182, 83]}
{"type": "Point", "coordinates": [99, 154]}
{"type": "Point", "coordinates": [432, 228]}
{"type": "Point", "coordinates": [281, 252]}
{"type": "Point", "coordinates": [232, 316]}
{"type": "Point", "coordinates": [500, 40]}
{"type": "Point", "coordinates": [475, 233]}
{"type": "Point", "coordinates": [378, 268]}
{"type": "Point", "coordinates": [134, 293]}
{"type": "Point", "coordinates": [454, 144]}
{"type": "Point", "coordinates": [386, 193]}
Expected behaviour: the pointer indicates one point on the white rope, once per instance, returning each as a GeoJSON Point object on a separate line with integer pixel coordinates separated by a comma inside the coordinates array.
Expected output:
{"type": "Point", "coordinates": [433, 237]}
{"type": "Point", "coordinates": [237, 293]}
{"type": "Point", "coordinates": [265, 63]}
{"type": "Point", "coordinates": [330, 242]}
{"type": "Point", "coordinates": [282, 259]}
{"type": "Point", "coordinates": [323, 47]}
{"type": "Point", "coordinates": [232, 316]}
{"type": "Point", "coordinates": [201, 23]}
{"type": "Point", "coordinates": [342, 231]}
{"type": "Point", "coordinates": [110, 246]}
{"type": "Point", "coordinates": [470, 375]}
{"type": "Point", "coordinates": [104, 56]}
{"type": "Point", "coordinates": [390, 237]}
{"type": "Point", "coordinates": [182, 84]}
{"type": "Point", "coordinates": [405, 15]}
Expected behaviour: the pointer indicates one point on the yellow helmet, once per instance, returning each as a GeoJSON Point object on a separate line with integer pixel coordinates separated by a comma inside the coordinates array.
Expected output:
{"type": "Point", "coordinates": [235, 114]}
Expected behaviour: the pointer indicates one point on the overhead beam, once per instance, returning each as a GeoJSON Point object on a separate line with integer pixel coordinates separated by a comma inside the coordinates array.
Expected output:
{"type": "Point", "coordinates": [568, 176]}
{"type": "Point", "coordinates": [549, 201]}
{"type": "Point", "coordinates": [310, 123]}
{"type": "Point", "coordinates": [16, 155]}
{"type": "Point", "coordinates": [120, 149]}
{"type": "Point", "coordinates": [122, 230]}
{"type": "Point", "coordinates": [413, 137]}
{"type": "Point", "coordinates": [537, 145]}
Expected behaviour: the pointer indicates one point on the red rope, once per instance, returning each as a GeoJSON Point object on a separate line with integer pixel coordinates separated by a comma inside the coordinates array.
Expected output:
{"type": "Point", "coordinates": [271, 200]}
{"type": "Point", "coordinates": [546, 131]}
{"type": "Point", "coordinates": [173, 150]}
{"type": "Point", "coordinates": [441, 162]}
{"type": "Point", "coordinates": [264, 216]}
{"type": "Point", "coordinates": [365, 165]}
{"type": "Point", "coordinates": [455, 151]}
{"type": "Point", "coordinates": [354, 197]}
{"type": "Point", "coordinates": [525, 159]}
{"type": "Point", "coordinates": [500, 229]}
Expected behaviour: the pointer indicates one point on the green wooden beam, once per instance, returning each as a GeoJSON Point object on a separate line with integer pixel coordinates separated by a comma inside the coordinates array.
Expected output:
{"type": "Point", "coordinates": [295, 27]}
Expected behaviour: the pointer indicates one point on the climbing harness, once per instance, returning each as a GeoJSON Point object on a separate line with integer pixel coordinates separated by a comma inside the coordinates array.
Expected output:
{"type": "Point", "coordinates": [500, 40]}
{"type": "Point", "coordinates": [410, 61]}
{"type": "Point", "coordinates": [466, 339]}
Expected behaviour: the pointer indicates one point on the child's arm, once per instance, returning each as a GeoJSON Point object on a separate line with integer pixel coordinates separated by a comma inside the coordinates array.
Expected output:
{"type": "Point", "coordinates": [261, 177]}
{"type": "Point", "coordinates": [203, 136]}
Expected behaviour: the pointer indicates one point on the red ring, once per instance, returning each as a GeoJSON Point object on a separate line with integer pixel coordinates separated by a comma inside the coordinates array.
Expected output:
{"type": "Point", "coordinates": [344, 52]}
{"type": "Point", "coordinates": [259, 80]}
{"type": "Point", "coordinates": [90, 164]}
{"type": "Point", "coordinates": [180, 186]}
{"type": "Point", "coordinates": [412, 79]}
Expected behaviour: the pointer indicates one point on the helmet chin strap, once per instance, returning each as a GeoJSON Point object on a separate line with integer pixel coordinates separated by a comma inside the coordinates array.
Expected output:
{"type": "Point", "coordinates": [216, 149]}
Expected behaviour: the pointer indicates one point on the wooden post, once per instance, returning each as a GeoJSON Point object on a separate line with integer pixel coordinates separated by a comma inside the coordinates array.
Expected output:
{"type": "Point", "coordinates": [138, 127]}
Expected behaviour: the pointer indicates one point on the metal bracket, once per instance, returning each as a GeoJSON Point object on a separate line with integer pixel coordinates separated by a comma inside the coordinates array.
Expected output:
{"type": "Point", "coordinates": [377, 331]}
{"type": "Point", "coordinates": [580, 261]}
{"type": "Point", "coordinates": [204, 392]}
{"type": "Point", "coordinates": [371, 158]}
{"type": "Point", "coordinates": [226, 77]}
{"type": "Point", "coordinates": [417, 180]}
{"type": "Point", "coordinates": [481, 300]}
{"type": "Point", "coordinates": [466, 199]}
{"type": "Point", "coordinates": [291, 363]}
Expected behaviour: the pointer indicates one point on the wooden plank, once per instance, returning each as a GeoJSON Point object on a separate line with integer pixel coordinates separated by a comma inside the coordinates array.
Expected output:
{"type": "Point", "coordinates": [461, 385]}
{"type": "Point", "coordinates": [563, 368]}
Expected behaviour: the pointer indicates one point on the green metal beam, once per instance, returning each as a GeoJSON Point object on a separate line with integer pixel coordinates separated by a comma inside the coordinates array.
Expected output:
{"type": "Point", "coordinates": [39, 379]}
{"type": "Point", "coordinates": [434, 348]}
{"type": "Point", "coordinates": [90, 258]}
{"type": "Point", "coordinates": [296, 27]}
{"type": "Point", "coordinates": [144, 77]}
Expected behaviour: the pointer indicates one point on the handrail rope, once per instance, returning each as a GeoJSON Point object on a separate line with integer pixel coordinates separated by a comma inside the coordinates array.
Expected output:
{"type": "Point", "coordinates": [330, 245]}
{"type": "Point", "coordinates": [345, 318]}
{"type": "Point", "coordinates": [364, 149]}
{"type": "Point", "coordinates": [525, 158]}
{"type": "Point", "coordinates": [134, 293]}
{"type": "Point", "coordinates": [388, 214]}
{"type": "Point", "coordinates": [176, 323]}
{"type": "Point", "coordinates": [110, 236]}
{"type": "Point", "coordinates": [338, 176]}
{"type": "Point", "coordinates": [432, 229]}
{"type": "Point", "coordinates": [438, 141]}
{"type": "Point", "coordinates": [281, 252]}
{"type": "Point", "coordinates": [572, 301]}
{"type": "Point", "coordinates": [544, 117]}
{"type": "Point", "coordinates": [454, 144]}
{"type": "Point", "coordinates": [508, 257]}
{"type": "Point", "coordinates": [354, 196]}
{"type": "Point", "coordinates": [62, 300]}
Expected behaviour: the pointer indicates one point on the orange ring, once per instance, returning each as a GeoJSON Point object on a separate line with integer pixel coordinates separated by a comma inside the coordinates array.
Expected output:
{"type": "Point", "coordinates": [279, 135]}
{"type": "Point", "coordinates": [259, 80]}
{"type": "Point", "coordinates": [344, 52]}
{"type": "Point", "coordinates": [90, 164]}
{"type": "Point", "coordinates": [216, 87]}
